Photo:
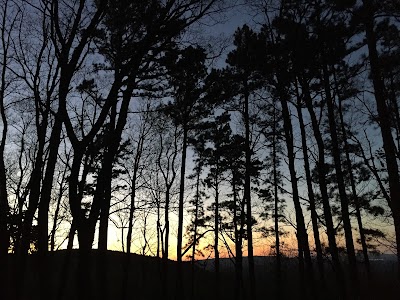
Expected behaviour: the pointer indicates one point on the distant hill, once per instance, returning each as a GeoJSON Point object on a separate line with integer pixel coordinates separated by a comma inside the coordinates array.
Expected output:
{"type": "Point", "coordinates": [227, 264]}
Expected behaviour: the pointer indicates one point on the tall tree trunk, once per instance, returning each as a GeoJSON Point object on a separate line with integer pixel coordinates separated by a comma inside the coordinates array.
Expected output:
{"type": "Point", "coordinates": [68, 57]}
{"type": "Point", "coordinates": [238, 227]}
{"type": "Point", "coordinates": [198, 169]}
{"type": "Point", "coordinates": [179, 280]}
{"type": "Point", "coordinates": [85, 239]}
{"type": "Point", "coordinates": [353, 186]}
{"type": "Point", "coordinates": [56, 213]}
{"type": "Point", "coordinates": [64, 269]}
{"type": "Point", "coordinates": [82, 226]}
{"type": "Point", "coordinates": [84, 285]}
{"type": "Point", "coordinates": [311, 195]}
{"type": "Point", "coordinates": [35, 194]}
{"type": "Point", "coordinates": [168, 180]}
{"type": "Point", "coordinates": [71, 235]}
{"type": "Point", "coordinates": [302, 237]}
{"type": "Point", "coordinates": [321, 167]}
{"type": "Point", "coordinates": [340, 182]}
{"type": "Point", "coordinates": [35, 185]}
{"type": "Point", "coordinates": [196, 216]}
{"type": "Point", "coordinates": [4, 207]}
{"type": "Point", "coordinates": [63, 277]}
{"type": "Point", "coordinates": [158, 225]}
{"type": "Point", "coordinates": [45, 197]}
{"type": "Point", "coordinates": [105, 206]}
{"type": "Point", "coordinates": [216, 234]}
{"type": "Point", "coordinates": [278, 286]}
{"type": "Point", "coordinates": [384, 123]}
{"type": "Point", "coordinates": [166, 222]}
{"type": "Point", "coordinates": [247, 192]}
{"type": "Point", "coordinates": [165, 269]}
{"type": "Point", "coordinates": [102, 196]}
{"type": "Point", "coordinates": [132, 209]}
{"type": "Point", "coordinates": [240, 244]}
{"type": "Point", "coordinates": [103, 187]}
{"type": "Point", "coordinates": [103, 227]}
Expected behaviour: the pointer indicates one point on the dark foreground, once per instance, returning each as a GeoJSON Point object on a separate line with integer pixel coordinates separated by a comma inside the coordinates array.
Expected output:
{"type": "Point", "coordinates": [145, 280]}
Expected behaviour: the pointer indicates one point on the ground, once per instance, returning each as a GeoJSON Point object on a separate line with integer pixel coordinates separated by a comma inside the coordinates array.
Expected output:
{"type": "Point", "coordinates": [145, 278]}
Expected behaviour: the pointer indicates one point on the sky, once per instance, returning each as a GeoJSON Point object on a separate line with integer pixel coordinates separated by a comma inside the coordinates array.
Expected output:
{"type": "Point", "coordinates": [214, 34]}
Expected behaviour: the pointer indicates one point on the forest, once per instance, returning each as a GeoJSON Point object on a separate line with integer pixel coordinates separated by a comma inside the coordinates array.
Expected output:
{"type": "Point", "coordinates": [139, 144]}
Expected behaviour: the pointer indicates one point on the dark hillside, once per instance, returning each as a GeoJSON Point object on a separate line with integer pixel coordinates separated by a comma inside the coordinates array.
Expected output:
{"type": "Point", "coordinates": [145, 278]}
{"type": "Point", "coordinates": [382, 284]}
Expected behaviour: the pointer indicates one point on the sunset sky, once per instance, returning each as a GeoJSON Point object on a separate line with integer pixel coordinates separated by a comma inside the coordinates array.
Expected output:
{"type": "Point", "coordinates": [221, 28]}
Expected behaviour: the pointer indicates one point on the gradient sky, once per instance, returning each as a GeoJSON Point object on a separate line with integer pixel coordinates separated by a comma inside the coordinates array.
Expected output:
{"type": "Point", "coordinates": [221, 28]}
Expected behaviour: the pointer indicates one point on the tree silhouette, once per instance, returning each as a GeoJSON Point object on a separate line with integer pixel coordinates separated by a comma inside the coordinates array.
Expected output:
{"type": "Point", "coordinates": [242, 62]}
{"type": "Point", "coordinates": [104, 105]}
{"type": "Point", "coordinates": [187, 71]}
